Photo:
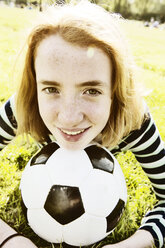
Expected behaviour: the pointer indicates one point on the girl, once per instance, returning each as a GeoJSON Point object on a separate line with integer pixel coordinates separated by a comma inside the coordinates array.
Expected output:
{"type": "Point", "coordinates": [77, 87]}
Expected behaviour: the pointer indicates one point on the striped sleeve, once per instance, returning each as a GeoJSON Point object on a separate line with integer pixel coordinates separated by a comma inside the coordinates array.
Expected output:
{"type": "Point", "coordinates": [8, 122]}
{"type": "Point", "coordinates": [149, 150]}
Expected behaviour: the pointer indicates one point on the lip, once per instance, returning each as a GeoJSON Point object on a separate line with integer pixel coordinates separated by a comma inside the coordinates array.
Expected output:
{"type": "Point", "coordinates": [73, 135]}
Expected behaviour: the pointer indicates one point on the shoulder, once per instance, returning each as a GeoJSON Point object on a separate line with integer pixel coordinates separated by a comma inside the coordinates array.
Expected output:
{"type": "Point", "coordinates": [145, 132]}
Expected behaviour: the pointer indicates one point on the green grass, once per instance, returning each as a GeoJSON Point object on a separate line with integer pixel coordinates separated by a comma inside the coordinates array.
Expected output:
{"type": "Point", "coordinates": [149, 50]}
{"type": "Point", "coordinates": [14, 25]}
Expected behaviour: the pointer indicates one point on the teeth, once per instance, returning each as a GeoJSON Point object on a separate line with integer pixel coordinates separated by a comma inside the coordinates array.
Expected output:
{"type": "Point", "coordinates": [71, 132]}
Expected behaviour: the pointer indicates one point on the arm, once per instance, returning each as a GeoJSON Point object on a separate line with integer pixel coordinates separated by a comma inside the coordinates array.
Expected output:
{"type": "Point", "coordinates": [17, 242]}
{"type": "Point", "coordinates": [149, 150]}
{"type": "Point", "coordinates": [8, 127]}
{"type": "Point", "coordinates": [141, 239]}
{"type": "Point", "coordinates": [8, 123]}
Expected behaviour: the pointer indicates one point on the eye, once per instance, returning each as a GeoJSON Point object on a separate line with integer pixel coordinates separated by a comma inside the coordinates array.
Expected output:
{"type": "Point", "coordinates": [51, 90]}
{"type": "Point", "coordinates": [92, 92]}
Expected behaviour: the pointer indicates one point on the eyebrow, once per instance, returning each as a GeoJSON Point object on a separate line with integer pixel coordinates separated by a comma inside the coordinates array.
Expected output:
{"type": "Point", "coordinates": [92, 83]}
{"type": "Point", "coordinates": [83, 84]}
{"type": "Point", "coordinates": [54, 83]}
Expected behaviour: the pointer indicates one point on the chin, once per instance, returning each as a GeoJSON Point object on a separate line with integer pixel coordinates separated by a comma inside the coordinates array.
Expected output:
{"type": "Point", "coordinates": [72, 145]}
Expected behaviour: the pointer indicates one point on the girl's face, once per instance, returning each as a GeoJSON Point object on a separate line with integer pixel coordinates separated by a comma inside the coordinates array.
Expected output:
{"type": "Point", "coordinates": [74, 90]}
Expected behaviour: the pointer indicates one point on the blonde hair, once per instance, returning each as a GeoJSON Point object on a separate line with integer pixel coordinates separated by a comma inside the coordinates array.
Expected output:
{"type": "Point", "coordinates": [83, 24]}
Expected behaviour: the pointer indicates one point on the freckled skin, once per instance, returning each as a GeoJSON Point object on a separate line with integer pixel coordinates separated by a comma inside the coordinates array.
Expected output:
{"type": "Point", "coordinates": [73, 106]}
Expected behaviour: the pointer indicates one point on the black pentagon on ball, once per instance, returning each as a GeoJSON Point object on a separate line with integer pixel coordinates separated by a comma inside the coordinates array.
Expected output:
{"type": "Point", "coordinates": [114, 217]}
{"type": "Point", "coordinates": [64, 203]}
{"type": "Point", "coordinates": [42, 156]}
{"type": "Point", "coordinates": [100, 158]}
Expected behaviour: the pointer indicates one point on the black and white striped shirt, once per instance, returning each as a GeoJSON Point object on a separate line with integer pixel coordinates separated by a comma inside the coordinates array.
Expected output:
{"type": "Point", "coordinates": [148, 149]}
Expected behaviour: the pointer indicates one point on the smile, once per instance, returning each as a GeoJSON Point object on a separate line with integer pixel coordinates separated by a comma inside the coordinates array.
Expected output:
{"type": "Point", "coordinates": [73, 132]}
{"type": "Point", "coordinates": [73, 135]}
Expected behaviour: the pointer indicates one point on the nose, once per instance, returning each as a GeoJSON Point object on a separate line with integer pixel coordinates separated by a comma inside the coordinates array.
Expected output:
{"type": "Point", "coordinates": [70, 113]}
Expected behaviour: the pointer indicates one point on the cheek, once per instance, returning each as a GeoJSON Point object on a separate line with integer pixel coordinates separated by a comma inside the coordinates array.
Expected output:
{"type": "Point", "coordinates": [46, 109]}
{"type": "Point", "coordinates": [99, 112]}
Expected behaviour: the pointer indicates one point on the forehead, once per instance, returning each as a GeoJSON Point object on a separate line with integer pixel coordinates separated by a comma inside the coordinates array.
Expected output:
{"type": "Point", "coordinates": [62, 61]}
{"type": "Point", "coordinates": [56, 48]}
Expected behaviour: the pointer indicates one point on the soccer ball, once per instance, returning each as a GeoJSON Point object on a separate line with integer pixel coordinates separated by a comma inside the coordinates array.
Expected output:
{"type": "Point", "coordinates": [76, 197]}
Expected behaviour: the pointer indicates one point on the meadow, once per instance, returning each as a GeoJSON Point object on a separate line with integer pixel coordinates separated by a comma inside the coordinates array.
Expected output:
{"type": "Point", "coordinates": [148, 48]}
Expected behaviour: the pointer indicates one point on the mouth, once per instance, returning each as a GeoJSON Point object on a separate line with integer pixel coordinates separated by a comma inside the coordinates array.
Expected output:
{"type": "Point", "coordinates": [73, 135]}
{"type": "Point", "coordinates": [72, 132]}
